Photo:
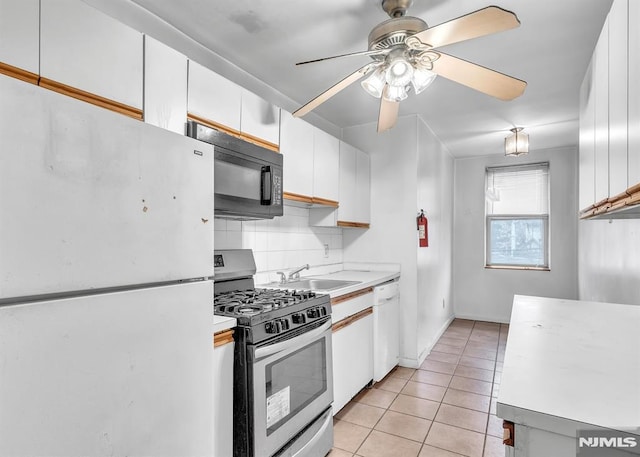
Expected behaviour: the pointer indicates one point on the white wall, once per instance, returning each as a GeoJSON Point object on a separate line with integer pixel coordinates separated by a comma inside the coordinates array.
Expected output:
{"type": "Point", "coordinates": [281, 243]}
{"type": "Point", "coordinates": [409, 166]}
{"type": "Point", "coordinates": [609, 260]}
{"type": "Point", "coordinates": [487, 294]}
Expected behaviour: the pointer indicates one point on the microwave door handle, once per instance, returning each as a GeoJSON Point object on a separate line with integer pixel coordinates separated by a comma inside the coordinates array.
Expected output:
{"type": "Point", "coordinates": [266, 185]}
{"type": "Point", "coordinates": [298, 341]}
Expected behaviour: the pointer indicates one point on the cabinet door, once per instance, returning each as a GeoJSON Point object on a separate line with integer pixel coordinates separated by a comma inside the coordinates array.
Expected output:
{"type": "Point", "coordinates": [634, 94]}
{"type": "Point", "coordinates": [20, 38]}
{"type": "Point", "coordinates": [223, 400]}
{"type": "Point", "coordinates": [326, 165]}
{"type": "Point", "coordinates": [260, 120]}
{"type": "Point", "coordinates": [587, 141]}
{"type": "Point", "coordinates": [85, 49]}
{"type": "Point", "coordinates": [352, 347]}
{"type": "Point", "coordinates": [213, 98]}
{"type": "Point", "coordinates": [347, 187]}
{"type": "Point", "coordinates": [601, 79]}
{"type": "Point", "coordinates": [618, 57]}
{"type": "Point", "coordinates": [165, 86]}
{"type": "Point", "coordinates": [363, 188]}
{"type": "Point", "coordinates": [296, 146]}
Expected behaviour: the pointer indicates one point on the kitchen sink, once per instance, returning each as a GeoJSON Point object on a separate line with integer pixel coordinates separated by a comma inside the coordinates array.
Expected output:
{"type": "Point", "coordinates": [319, 284]}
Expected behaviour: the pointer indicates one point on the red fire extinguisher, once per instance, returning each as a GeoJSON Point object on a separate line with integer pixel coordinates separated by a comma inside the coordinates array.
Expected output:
{"type": "Point", "coordinates": [423, 229]}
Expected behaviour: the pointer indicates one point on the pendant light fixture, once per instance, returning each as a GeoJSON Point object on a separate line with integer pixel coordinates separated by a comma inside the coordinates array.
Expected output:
{"type": "Point", "coordinates": [517, 143]}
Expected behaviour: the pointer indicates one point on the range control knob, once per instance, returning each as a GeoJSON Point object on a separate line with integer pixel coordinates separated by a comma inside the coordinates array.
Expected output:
{"type": "Point", "coordinates": [313, 313]}
{"type": "Point", "coordinates": [273, 327]}
{"type": "Point", "coordinates": [323, 311]}
{"type": "Point", "coordinates": [284, 324]}
{"type": "Point", "coordinates": [299, 318]}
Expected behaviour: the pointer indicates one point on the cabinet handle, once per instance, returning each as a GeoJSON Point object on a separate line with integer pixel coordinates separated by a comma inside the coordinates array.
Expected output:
{"type": "Point", "coordinates": [347, 321]}
{"type": "Point", "coordinates": [349, 296]}
{"type": "Point", "coordinates": [265, 197]}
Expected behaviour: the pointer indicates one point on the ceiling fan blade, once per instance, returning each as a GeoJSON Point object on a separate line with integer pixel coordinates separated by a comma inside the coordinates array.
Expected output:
{"type": "Point", "coordinates": [479, 78]}
{"type": "Point", "coordinates": [486, 21]}
{"type": "Point", "coordinates": [376, 52]}
{"type": "Point", "coordinates": [330, 92]}
{"type": "Point", "coordinates": [388, 114]}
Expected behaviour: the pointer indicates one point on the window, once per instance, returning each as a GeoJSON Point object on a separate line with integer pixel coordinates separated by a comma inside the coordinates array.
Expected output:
{"type": "Point", "coordinates": [517, 216]}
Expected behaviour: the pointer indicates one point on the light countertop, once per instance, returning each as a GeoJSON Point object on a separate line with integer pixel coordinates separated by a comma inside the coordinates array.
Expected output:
{"type": "Point", "coordinates": [366, 278]}
{"type": "Point", "coordinates": [572, 363]}
{"type": "Point", "coordinates": [221, 323]}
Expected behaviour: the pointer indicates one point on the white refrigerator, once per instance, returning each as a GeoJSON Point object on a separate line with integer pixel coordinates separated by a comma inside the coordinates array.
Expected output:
{"type": "Point", "coordinates": [106, 298]}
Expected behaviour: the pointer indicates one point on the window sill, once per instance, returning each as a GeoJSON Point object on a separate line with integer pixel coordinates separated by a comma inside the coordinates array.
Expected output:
{"type": "Point", "coordinates": [515, 267]}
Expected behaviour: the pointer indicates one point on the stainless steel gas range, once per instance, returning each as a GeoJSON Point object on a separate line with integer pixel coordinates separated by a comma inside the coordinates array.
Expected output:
{"type": "Point", "coordinates": [283, 371]}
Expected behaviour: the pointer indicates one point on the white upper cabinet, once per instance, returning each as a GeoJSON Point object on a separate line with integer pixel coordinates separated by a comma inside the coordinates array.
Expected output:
{"type": "Point", "coordinates": [363, 188]}
{"type": "Point", "coordinates": [634, 94]}
{"type": "Point", "coordinates": [214, 98]}
{"type": "Point", "coordinates": [347, 212]}
{"type": "Point", "coordinates": [19, 36]}
{"type": "Point", "coordinates": [83, 48]}
{"type": "Point", "coordinates": [587, 142]}
{"type": "Point", "coordinates": [296, 146]}
{"type": "Point", "coordinates": [601, 86]}
{"type": "Point", "coordinates": [165, 86]}
{"type": "Point", "coordinates": [326, 166]}
{"type": "Point", "coordinates": [260, 119]}
{"type": "Point", "coordinates": [618, 41]}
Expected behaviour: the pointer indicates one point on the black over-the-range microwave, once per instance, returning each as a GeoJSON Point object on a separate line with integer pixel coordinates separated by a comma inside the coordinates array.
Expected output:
{"type": "Point", "coordinates": [247, 177]}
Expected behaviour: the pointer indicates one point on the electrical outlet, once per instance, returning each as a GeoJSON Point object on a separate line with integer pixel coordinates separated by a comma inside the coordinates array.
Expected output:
{"type": "Point", "coordinates": [326, 251]}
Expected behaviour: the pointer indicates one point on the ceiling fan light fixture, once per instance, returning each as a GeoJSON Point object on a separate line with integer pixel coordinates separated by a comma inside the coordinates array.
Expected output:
{"type": "Point", "coordinates": [517, 143]}
{"type": "Point", "coordinates": [374, 84]}
{"type": "Point", "coordinates": [395, 93]}
{"type": "Point", "coordinates": [399, 73]}
{"type": "Point", "coordinates": [422, 79]}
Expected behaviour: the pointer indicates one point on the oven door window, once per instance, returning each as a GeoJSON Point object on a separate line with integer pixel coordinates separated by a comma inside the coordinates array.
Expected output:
{"type": "Point", "coordinates": [294, 381]}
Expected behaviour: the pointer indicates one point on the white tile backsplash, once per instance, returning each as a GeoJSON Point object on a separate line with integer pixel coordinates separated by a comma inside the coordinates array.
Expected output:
{"type": "Point", "coordinates": [282, 243]}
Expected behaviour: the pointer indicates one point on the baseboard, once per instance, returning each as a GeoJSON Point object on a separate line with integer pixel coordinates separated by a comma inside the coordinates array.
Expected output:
{"type": "Point", "coordinates": [475, 317]}
{"type": "Point", "coordinates": [415, 363]}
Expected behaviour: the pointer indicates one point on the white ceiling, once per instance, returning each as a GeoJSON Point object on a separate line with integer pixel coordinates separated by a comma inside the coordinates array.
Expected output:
{"type": "Point", "coordinates": [550, 50]}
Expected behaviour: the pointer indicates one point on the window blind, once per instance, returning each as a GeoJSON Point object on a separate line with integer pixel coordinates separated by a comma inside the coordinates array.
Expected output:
{"type": "Point", "coordinates": [520, 190]}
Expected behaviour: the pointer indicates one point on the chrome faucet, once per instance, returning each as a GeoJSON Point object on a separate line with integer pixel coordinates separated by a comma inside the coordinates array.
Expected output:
{"type": "Point", "coordinates": [295, 274]}
{"type": "Point", "coordinates": [283, 277]}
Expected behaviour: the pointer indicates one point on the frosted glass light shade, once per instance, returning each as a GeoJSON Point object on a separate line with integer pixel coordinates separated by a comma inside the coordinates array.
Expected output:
{"type": "Point", "coordinates": [374, 83]}
{"type": "Point", "coordinates": [517, 143]}
{"type": "Point", "coordinates": [399, 73]}
{"type": "Point", "coordinates": [395, 94]}
{"type": "Point", "coordinates": [422, 79]}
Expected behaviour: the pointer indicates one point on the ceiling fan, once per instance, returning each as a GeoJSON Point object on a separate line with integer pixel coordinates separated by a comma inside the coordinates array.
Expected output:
{"type": "Point", "coordinates": [404, 57]}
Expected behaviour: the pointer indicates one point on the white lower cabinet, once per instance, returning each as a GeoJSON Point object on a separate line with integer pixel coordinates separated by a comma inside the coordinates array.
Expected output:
{"type": "Point", "coordinates": [352, 357]}
{"type": "Point", "coordinates": [223, 400]}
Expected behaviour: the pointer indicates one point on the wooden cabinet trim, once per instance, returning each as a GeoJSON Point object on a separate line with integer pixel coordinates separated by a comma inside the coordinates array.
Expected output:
{"type": "Point", "coordinates": [91, 98]}
{"type": "Point", "coordinates": [324, 201]}
{"type": "Point", "coordinates": [630, 197]}
{"type": "Point", "coordinates": [19, 73]}
{"type": "Point", "coordinates": [350, 224]}
{"type": "Point", "coordinates": [350, 296]}
{"type": "Point", "coordinates": [351, 319]}
{"type": "Point", "coordinates": [213, 124]}
{"type": "Point", "coordinates": [297, 198]}
{"type": "Point", "coordinates": [222, 338]}
{"type": "Point", "coordinates": [238, 134]}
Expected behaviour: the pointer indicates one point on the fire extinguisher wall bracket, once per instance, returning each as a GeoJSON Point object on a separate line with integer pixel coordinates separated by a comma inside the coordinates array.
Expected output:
{"type": "Point", "coordinates": [423, 230]}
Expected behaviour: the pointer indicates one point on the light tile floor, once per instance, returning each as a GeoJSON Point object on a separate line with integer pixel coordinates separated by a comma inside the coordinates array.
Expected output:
{"type": "Point", "coordinates": [446, 408]}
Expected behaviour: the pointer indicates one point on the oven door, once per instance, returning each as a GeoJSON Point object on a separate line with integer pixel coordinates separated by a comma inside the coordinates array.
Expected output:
{"type": "Point", "coordinates": [293, 385]}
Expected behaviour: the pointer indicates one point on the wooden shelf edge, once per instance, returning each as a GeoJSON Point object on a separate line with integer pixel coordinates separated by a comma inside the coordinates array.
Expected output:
{"type": "Point", "coordinates": [88, 97]}
{"type": "Point", "coordinates": [297, 198]}
{"type": "Point", "coordinates": [325, 202]}
{"type": "Point", "coordinates": [351, 319]}
{"type": "Point", "coordinates": [350, 224]}
{"type": "Point", "coordinates": [342, 298]}
{"type": "Point", "coordinates": [613, 205]}
{"type": "Point", "coordinates": [18, 73]}
{"type": "Point", "coordinates": [222, 338]}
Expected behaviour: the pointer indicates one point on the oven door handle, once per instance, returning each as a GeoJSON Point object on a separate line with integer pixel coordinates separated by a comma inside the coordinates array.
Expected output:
{"type": "Point", "coordinates": [319, 434]}
{"type": "Point", "coordinates": [298, 341]}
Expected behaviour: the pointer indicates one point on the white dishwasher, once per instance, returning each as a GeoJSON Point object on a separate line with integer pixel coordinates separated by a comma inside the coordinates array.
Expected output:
{"type": "Point", "coordinates": [386, 331]}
